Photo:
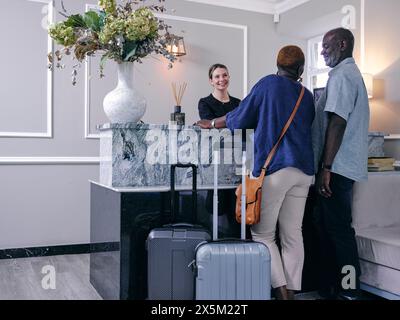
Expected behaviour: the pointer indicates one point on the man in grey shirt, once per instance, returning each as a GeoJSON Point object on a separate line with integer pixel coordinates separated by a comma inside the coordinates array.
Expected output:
{"type": "Point", "coordinates": [340, 139]}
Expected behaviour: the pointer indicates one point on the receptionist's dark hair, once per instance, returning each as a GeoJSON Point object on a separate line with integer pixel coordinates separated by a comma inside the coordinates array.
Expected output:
{"type": "Point", "coordinates": [215, 66]}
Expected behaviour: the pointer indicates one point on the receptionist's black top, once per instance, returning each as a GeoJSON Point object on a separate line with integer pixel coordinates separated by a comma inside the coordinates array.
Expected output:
{"type": "Point", "coordinates": [211, 108]}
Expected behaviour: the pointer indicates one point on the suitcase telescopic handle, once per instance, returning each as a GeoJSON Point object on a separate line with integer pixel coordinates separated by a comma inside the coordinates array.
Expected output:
{"type": "Point", "coordinates": [194, 189]}
{"type": "Point", "coordinates": [215, 197]}
{"type": "Point", "coordinates": [243, 197]}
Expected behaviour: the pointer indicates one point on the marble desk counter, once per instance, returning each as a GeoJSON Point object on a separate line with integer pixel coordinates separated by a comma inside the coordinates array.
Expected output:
{"type": "Point", "coordinates": [140, 155]}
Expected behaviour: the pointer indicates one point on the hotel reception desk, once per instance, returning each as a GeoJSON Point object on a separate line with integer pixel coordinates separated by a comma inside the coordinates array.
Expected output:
{"type": "Point", "coordinates": [133, 197]}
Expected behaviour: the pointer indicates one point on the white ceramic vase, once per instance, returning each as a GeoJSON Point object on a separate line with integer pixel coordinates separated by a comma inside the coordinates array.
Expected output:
{"type": "Point", "coordinates": [124, 104]}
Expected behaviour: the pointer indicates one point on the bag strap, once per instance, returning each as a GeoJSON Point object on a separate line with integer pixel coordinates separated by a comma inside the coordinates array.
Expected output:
{"type": "Point", "coordinates": [285, 129]}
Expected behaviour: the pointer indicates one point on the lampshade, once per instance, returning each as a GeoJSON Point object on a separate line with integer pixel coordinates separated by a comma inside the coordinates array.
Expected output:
{"type": "Point", "coordinates": [176, 46]}
{"type": "Point", "coordinates": [369, 84]}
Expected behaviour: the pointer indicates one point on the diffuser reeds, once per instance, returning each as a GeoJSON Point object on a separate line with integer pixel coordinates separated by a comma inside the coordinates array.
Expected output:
{"type": "Point", "coordinates": [178, 92]}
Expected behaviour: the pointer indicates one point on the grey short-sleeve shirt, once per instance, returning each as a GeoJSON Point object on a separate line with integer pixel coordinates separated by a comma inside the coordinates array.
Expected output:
{"type": "Point", "coordinates": [346, 96]}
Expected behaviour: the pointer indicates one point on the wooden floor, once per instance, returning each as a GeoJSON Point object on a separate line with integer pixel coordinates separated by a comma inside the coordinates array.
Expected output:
{"type": "Point", "coordinates": [21, 279]}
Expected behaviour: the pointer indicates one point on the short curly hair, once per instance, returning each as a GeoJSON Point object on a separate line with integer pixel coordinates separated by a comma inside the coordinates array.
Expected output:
{"type": "Point", "coordinates": [290, 57]}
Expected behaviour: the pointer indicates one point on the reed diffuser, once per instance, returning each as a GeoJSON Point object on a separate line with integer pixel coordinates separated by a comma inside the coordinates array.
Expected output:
{"type": "Point", "coordinates": [178, 92]}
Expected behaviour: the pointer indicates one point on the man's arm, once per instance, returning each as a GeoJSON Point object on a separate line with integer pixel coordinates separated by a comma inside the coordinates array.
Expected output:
{"type": "Point", "coordinates": [334, 137]}
{"type": "Point", "coordinates": [333, 141]}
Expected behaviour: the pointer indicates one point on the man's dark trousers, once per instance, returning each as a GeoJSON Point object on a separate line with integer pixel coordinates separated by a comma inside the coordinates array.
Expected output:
{"type": "Point", "coordinates": [338, 247]}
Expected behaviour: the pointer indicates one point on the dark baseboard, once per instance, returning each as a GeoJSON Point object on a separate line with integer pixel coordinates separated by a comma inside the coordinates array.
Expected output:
{"type": "Point", "coordinates": [58, 250]}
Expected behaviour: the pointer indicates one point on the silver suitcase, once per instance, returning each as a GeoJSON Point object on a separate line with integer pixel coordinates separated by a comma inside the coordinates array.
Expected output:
{"type": "Point", "coordinates": [170, 251]}
{"type": "Point", "coordinates": [232, 269]}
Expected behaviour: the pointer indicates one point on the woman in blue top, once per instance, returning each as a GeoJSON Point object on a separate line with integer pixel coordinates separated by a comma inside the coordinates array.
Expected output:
{"type": "Point", "coordinates": [266, 110]}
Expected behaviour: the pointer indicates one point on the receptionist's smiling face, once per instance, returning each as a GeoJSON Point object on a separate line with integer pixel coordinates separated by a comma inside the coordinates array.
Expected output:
{"type": "Point", "coordinates": [220, 79]}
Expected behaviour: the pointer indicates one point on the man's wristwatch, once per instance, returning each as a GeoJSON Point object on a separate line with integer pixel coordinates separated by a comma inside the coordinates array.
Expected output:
{"type": "Point", "coordinates": [326, 167]}
{"type": "Point", "coordinates": [213, 124]}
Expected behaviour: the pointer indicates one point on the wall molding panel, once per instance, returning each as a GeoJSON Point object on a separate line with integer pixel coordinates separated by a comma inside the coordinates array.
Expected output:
{"type": "Point", "coordinates": [49, 9]}
{"type": "Point", "coordinates": [224, 25]}
{"type": "Point", "coordinates": [287, 5]}
{"type": "Point", "coordinates": [49, 160]}
{"type": "Point", "coordinates": [89, 135]}
{"type": "Point", "coordinates": [261, 6]}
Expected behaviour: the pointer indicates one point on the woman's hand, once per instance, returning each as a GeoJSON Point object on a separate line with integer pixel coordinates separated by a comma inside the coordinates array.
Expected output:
{"type": "Point", "coordinates": [204, 124]}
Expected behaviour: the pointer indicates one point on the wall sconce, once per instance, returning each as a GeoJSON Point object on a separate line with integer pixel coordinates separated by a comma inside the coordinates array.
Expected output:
{"type": "Point", "coordinates": [176, 46]}
{"type": "Point", "coordinates": [369, 84]}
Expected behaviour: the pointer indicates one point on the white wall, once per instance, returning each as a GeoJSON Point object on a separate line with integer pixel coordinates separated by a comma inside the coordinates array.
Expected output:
{"type": "Point", "coordinates": [382, 51]}
{"type": "Point", "coordinates": [315, 18]}
{"type": "Point", "coordinates": [383, 62]}
{"type": "Point", "coordinates": [48, 204]}
{"type": "Point", "coordinates": [44, 205]}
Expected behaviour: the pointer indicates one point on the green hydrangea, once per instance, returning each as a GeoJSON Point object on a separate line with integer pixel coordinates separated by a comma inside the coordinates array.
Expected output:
{"type": "Point", "coordinates": [109, 6]}
{"type": "Point", "coordinates": [141, 24]}
{"type": "Point", "coordinates": [114, 27]}
{"type": "Point", "coordinates": [64, 35]}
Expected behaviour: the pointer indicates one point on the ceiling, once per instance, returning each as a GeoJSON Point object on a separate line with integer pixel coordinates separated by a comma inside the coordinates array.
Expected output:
{"type": "Point", "coordinates": [262, 6]}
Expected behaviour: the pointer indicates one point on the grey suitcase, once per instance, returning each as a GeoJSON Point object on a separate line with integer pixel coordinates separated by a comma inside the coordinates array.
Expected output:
{"type": "Point", "coordinates": [170, 251]}
{"type": "Point", "coordinates": [232, 269]}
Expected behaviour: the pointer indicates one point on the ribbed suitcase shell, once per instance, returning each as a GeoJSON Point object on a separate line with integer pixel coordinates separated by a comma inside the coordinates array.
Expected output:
{"type": "Point", "coordinates": [238, 270]}
{"type": "Point", "coordinates": [232, 269]}
{"type": "Point", "coordinates": [170, 251]}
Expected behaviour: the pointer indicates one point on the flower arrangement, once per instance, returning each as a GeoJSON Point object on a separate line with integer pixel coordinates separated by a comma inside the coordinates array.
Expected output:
{"type": "Point", "coordinates": [124, 33]}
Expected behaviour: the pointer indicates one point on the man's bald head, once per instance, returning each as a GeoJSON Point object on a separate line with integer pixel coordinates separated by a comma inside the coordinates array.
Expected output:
{"type": "Point", "coordinates": [342, 34]}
